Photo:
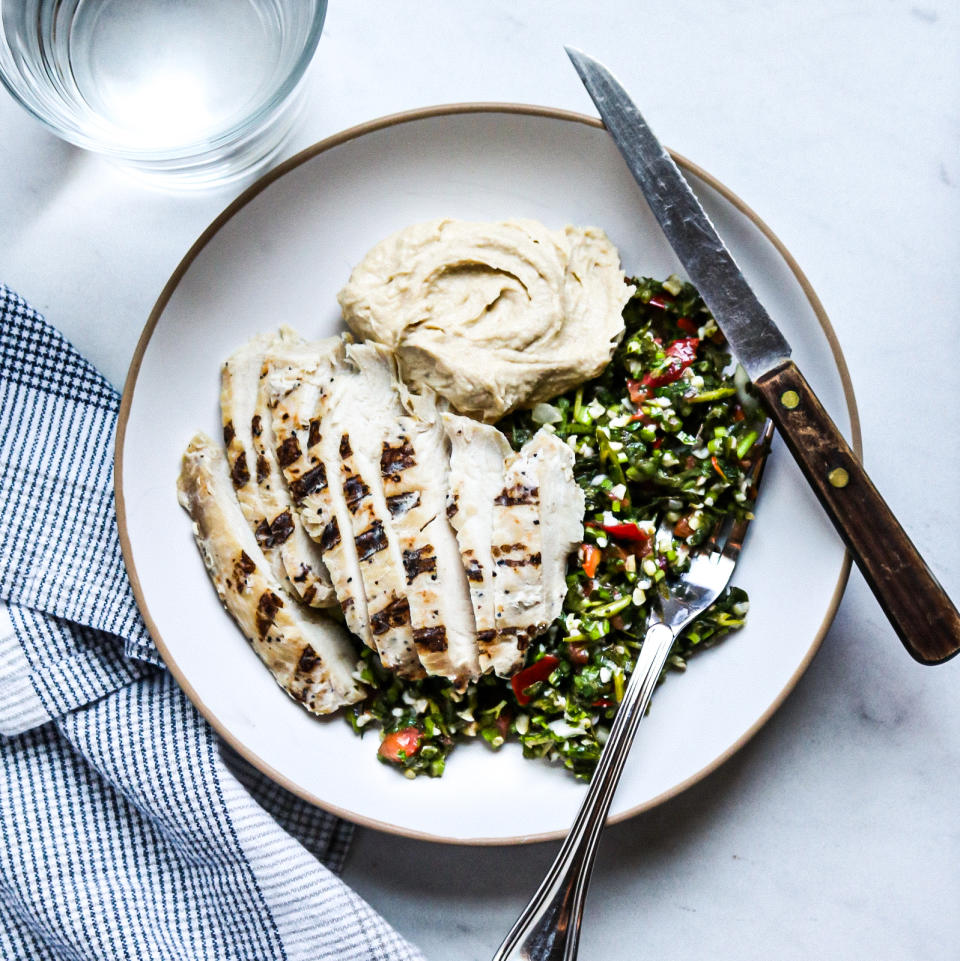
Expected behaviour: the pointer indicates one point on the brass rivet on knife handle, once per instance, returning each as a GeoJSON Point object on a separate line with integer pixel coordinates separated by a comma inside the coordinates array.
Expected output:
{"type": "Point", "coordinates": [924, 618]}
{"type": "Point", "coordinates": [838, 477]}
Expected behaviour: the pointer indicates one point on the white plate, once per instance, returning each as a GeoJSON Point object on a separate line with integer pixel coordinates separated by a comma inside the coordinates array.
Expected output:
{"type": "Point", "coordinates": [279, 254]}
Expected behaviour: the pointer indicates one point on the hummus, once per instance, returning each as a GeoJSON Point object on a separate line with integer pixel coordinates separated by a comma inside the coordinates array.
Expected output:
{"type": "Point", "coordinates": [492, 316]}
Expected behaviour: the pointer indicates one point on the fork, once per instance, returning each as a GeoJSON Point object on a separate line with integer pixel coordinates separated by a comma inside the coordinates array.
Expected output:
{"type": "Point", "coordinates": [549, 927]}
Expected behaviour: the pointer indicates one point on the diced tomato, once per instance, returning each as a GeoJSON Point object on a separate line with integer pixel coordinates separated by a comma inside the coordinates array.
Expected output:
{"type": "Point", "coordinates": [399, 745]}
{"type": "Point", "coordinates": [657, 443]}
{"type": "Point", "coordinates": [503, 723]}
{"type": "Point", "coordinates": [660, 301]}
{"type": "Point", "coordinates": [682, 528]}
{"type": "Point", "coordinates": [578, 653]}
{"type": "Point", "coordinates": [679, 356]}
{"type": "Point", "coordinates": [538, 671]}
{"type": "Point", "coordinates": [685, 323]}
{"type": "Point", "coordinates": [637, 394]}
{"type": "Point", "coordinates": [603, 702]}
{"type": "Point", "coordinates": [627, 532]}
{"type": "Point", "coordinates": [589, 559]}
{"type": "Point", "coordinates": [738, 413]}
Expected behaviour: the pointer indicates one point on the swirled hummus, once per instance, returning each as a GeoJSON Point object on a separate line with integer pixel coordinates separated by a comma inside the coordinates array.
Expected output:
{"type": "Point", "coordinates": [492, 316]}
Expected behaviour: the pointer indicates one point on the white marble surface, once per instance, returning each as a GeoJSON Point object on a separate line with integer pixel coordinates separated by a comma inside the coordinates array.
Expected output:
{"type": "Point", "coordinates": [835, 833]}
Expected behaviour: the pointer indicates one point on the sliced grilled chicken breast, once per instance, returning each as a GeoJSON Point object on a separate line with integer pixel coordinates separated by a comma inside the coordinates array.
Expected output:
{"type": "Point", "coordinates": [477, 455]}
{"type": "Point", "coordinates": [414, 466]}
{"type": "Point", "coordinates": [562, 504]}
{"type": "Point", "coordinates": [301, 555]}
{"type": "Point", "coordinates": [259, 484]}
{"type": "Point", "coordinates": [297, 378]}
{"type": "Point", "coordinates": [516, 548]}
{"type": "Point", "coordinates": [310, 656]}
{"type": "Point", "coordinates": [239, 383]}
{"type": "Point", "coordinates": [358, 405]}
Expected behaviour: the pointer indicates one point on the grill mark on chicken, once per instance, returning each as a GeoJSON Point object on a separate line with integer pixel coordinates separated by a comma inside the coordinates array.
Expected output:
{"type": "Point", "coordinates": [309, 594]}
{"type": "Point", "coordinates": [228, 432]}
{"type": "Point", "coordinates": [308, 660]}
{"type": "Point", "coordinates": [274, 534]}
{"type": "Point", "coordinates": [371, 541]}
{"type": "Point", "coordinates": [517, 494]}
{"type": "Point", "coordinates": [312, 482]}
{"type": "Point", "coordinates": [256, 425]}
{"type": "Point", "coordinates": [331, 536]}
{"type": "Point", "coordinates": [474, 571]}
{"type": "Point", "coordinates": [314, 437]}
{"type": "Point", "coordinates": [345, 449]}
{"type": "Point", "coordinates": [399, 504]}
{"type": "Point", "coordinates": [354, 492]}
{"type": "Point", "coordinates": [243, 567]}
{"type": "Point", "coordinates": [396, 459]}
{"type": "Point", "coordinates": [263, 469]}
{"type": "Point", "coordinates": [431, 638]}
{"type": "Point", "coordinates": [288, 451]}
{"type": "Point", "coordinates": [239, 472]}
{"type": "Point", "coordinates": [417, 562]}
{"type": "Point", "coordinates": [395, 614]}
{"type": "Point", "coordinates": [531, 559]}
{"type": "Point", "coordinates": [267, 608]}
{"type": "Point", "coordinates": [500, 550]}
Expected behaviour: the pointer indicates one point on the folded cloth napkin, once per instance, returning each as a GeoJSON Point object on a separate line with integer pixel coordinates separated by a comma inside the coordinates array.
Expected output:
{"type": "Point", "coordinates": [129, 830]}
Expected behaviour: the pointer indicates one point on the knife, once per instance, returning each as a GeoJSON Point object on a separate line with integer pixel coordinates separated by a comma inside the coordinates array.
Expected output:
{"type": "Point", "coordinates": [924, 618]}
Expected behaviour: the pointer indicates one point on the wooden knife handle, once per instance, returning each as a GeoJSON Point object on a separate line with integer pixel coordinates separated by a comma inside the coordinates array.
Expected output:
{"type": "Point", "coordinates": [923, 616]}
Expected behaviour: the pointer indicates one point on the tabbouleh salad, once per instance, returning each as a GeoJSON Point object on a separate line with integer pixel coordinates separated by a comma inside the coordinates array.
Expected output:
{"type": "Point", "coordinates": [663, 440]}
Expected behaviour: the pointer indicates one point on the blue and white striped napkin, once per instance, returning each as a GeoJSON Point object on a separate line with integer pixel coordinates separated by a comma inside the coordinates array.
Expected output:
{"type": "Point", "coordinates": [128, 829]}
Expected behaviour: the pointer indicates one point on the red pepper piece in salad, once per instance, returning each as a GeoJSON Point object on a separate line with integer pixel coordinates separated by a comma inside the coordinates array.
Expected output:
{"type": "Point", "coordinates": [397, 746]}
{"type": "Point", "coordinates": [538, 671]}
{"type": "Point", "coordinates": [637, 392]}
{"type": "Point", "coordinates": [627, 532]}
{"type": "Point", "coordinates": [679, 356]}
{"type": "Point", "coordinates": [589, 559]}
{"type": "Point", "coordinates": [686, 324]}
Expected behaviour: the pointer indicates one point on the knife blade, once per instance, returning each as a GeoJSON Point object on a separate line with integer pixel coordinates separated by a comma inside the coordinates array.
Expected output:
{"type": "Point", "coordinates": [924, 618]}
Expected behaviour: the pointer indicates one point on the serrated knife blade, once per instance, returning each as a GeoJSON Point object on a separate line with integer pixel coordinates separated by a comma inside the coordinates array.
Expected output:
{"type": "Point", "coordinates": [925, 619]}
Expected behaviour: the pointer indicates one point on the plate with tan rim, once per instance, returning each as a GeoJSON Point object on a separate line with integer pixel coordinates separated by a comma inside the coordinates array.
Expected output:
{"type": "Point", "coordinates": [279, 254]}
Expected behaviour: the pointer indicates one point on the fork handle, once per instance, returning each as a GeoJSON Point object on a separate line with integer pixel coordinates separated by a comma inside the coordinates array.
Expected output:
{"type": "Point", "coordinates": [549, 927]}
{"type": "Point", "coordinates": [924, 618]}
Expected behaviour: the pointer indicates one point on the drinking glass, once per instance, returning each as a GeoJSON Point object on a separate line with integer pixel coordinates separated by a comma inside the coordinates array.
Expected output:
{"type": "Point", "coordinates": [189, 93]}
